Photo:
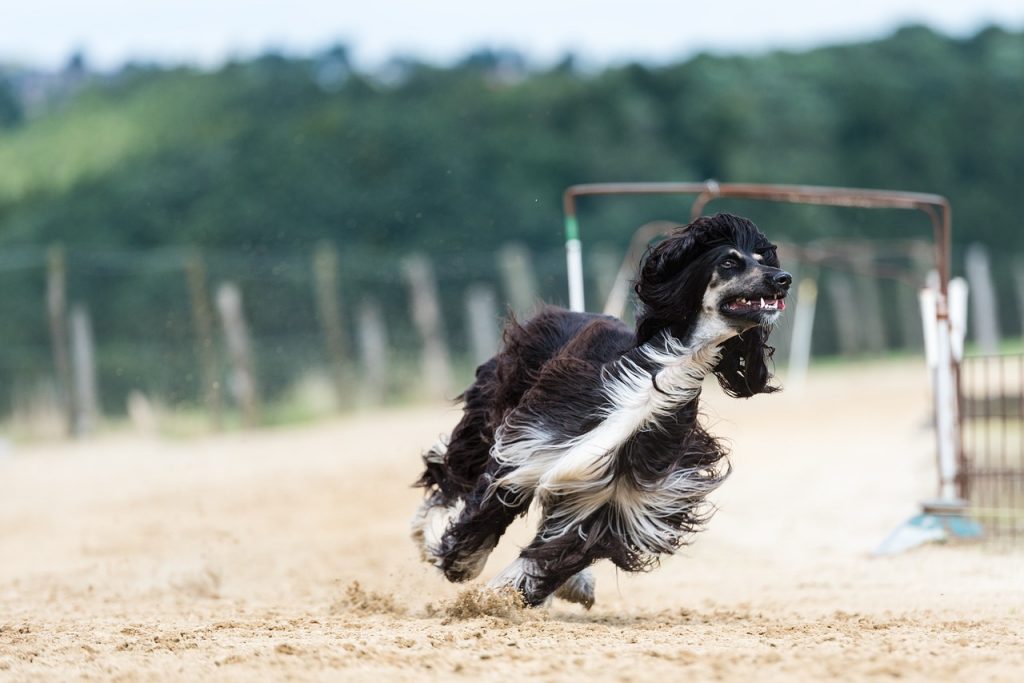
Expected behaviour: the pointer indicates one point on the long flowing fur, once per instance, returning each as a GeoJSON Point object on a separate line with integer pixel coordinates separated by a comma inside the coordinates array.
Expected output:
{"type": "Point", "coordinates": [599, 425]}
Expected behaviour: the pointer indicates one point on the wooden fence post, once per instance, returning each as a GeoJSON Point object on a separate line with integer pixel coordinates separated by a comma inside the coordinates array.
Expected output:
{"type": "Point", "coordinates": [328, 304]}
{"type": "Point", "coordinates": [373, 352]}
{"type": "Point", "coordinates": [83, 367]}
{"type": "Point", "coordinates": [202, 319]}
{"type": "Point", "coordinates": [803, 328]}
{"type": "Point", "coordinates": [236, 334]}
{"type": "Point", "coordinates": [518, 278]}
{"type": "Point", "coordinates": [870, 312]}
{"type": "Point", "coordinates": [482, 321]}
{"type": "Point", "coordinates": [782, 335]}
{"type": "Point", "coordinates": [984, 307]}
{"type": "Point", "coordinates": [909, 316]}
{"type": "Point", "coordinates": [604, 266]}
{"type": "Point", "coordinates": [56, 309]}
{"type": "Point", "coordinates": [426, 314]}
{"type": "Point", "coordinates": [1018, 283]}
{"type": "Point", "coordinates": [846, 312]}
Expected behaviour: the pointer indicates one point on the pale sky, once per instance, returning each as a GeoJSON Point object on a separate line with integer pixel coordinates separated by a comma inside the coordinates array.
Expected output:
{"type": "Point", "coordinates": [206, 32]}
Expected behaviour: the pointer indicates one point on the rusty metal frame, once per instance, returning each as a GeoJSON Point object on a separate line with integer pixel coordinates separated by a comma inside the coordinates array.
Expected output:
{"type": "Point", "coordinates": [936, 207]}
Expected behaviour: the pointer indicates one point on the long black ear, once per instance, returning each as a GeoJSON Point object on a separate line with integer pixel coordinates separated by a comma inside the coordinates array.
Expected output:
{"type": "Point", "coordinates": [665, 297]}
{"type": "Point", "coordinates": [661, 262]}
{"type": "Point", "coordinates": [742, 369]}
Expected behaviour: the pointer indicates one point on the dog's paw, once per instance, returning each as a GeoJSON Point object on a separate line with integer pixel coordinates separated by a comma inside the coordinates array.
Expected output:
{"type": "Point", "coordinates": [458, 574]}
{"type": "Point", "coordinates": [432, 519]}
{"type": "Point", "coordinates": [520, 576]}
{"type": "Point", "coordinates": [579, 589]}
{"type": "Point", "coordinates": [468, 566]}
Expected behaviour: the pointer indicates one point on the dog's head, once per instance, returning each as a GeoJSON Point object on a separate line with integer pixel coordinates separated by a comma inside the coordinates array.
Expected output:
{"type": "Point", "coordinates": [717, 277]}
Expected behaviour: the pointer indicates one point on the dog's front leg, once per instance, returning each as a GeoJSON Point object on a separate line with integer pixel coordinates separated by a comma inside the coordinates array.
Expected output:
{"type": "Point", "coordinates": [469, 540]}
{"type": "Point", "coordinates": [549, 566]}
{"type": "Point", "coordinates": [579, 588]}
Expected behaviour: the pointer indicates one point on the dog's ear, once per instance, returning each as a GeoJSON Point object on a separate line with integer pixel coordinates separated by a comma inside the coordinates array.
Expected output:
{"type": "Point", "coordinates": [666, 298]}
{"type": "Point", "coordinates": [662, 261]}
{"type": "Point", "coordinates": [742, 369]}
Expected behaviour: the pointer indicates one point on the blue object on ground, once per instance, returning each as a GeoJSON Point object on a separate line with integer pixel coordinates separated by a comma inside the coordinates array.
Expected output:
{"type": "Point", "coordinates": [939, 521]}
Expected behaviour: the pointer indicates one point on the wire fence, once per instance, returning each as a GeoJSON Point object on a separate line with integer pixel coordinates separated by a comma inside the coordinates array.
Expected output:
{"type": "Point", "coordinates": [992, 388]}
{"type": "Point", "coordinates": [331, 327]}
{"type": "Point", "coordinates": [326, 328]}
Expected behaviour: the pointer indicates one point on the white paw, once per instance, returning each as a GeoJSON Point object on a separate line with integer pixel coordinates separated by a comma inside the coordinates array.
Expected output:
{"type": "Point", "coordinates": [579, 589]}
{"type": "Point", "coordinates": [470, 566]}
{"type": "Point", "coordinates": [518, 576]}
{"type": "Point", "coordinates": [428, 525]}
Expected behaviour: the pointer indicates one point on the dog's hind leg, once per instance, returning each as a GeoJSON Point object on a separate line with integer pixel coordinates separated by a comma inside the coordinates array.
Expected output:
{"type": "Point", "coordinates": [458, 536]}
{"type": "Point", "coordinates": [454, 464]}
{"type": "Point", "coordinates": [453, 467]}
{"type": "Point", "coordinates": [432, 519]}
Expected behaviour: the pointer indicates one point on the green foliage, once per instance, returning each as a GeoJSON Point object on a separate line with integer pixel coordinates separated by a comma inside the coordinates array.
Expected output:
{"type": "Point", "coordinates": [11, 113]}
{"type": "Point", "coordinates": [267, 153]}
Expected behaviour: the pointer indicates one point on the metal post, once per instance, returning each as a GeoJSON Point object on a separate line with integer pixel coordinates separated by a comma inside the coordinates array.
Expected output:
{"type": "Point", "coordinates": [945, 402]}
{"type": "Point", "coordinates": [803, 326]}
{"type": "Point", "coordinates": [574, 263]}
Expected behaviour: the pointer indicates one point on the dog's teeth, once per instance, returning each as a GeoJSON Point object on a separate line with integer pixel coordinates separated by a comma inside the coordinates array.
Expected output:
{"type": "Point", "coordinates": [762, 302]}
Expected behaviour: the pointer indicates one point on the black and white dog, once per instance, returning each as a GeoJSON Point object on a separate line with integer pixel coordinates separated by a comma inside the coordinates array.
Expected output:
{"type": "Point", "coordinates": [599, 424]}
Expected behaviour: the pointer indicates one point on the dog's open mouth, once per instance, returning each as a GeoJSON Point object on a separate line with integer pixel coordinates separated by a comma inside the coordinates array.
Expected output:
{"type": "Point", "coordinates": [755, 305]}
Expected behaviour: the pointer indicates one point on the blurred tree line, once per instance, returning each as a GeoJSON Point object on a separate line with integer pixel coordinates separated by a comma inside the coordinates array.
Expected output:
{"type": "Point", "coordinates": [281, 151]}
{"type": "Point", "coordinates": [259, 161]}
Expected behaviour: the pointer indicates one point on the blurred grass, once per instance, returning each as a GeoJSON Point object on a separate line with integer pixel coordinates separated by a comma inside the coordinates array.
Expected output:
{"type": "Point", "coordinates": [95, 133]}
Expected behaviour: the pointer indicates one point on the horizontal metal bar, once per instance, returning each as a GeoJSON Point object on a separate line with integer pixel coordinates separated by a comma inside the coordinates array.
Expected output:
{"type": "Point", "coordinates": [935, 206]}
{"type": "Point", "coordinates": [992, 357]}
{"type": "Point", "coordinates": [804, 194]}
{"type": "Point", "coordinates": [998, 513]}
{"type": "Point", "coordinates": [1010, 473]}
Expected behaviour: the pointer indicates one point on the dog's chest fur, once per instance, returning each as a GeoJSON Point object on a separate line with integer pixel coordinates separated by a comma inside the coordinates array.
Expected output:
{"type": "Point", "coordinates": [628, 457]}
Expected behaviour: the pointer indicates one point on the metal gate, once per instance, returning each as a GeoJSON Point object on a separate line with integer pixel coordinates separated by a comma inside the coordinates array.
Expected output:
{"type": "Point", "coordinates": [992, 428]}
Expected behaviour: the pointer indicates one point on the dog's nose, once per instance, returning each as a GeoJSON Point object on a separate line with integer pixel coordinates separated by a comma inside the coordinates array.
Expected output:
{"type": "Point", "coordinates": [783, 279]}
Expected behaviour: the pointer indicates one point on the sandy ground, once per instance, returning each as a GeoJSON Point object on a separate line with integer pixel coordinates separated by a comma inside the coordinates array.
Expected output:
{"type": "Point", "coordinates": [234, 557]}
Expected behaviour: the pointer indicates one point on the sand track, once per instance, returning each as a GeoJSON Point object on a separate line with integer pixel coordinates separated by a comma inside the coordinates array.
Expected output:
{"type": "Point", "coordinates": [235, 557]}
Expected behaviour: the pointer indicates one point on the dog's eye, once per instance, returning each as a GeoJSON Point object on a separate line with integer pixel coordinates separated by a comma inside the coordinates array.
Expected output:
{"type": "Point", "coordinates": [729, 263]}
